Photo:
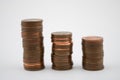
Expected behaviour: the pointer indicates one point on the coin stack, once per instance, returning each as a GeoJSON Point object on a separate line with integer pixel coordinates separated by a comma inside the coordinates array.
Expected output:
{"type": "Point", "coordinates": [61, 50]}
{"type": "Point", "coordinates": [33, 48]}
{"type": "Point", "coordinates": [92, 47]}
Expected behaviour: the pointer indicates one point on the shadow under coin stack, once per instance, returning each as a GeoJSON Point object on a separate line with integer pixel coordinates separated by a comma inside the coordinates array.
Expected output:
{"type": "Point", "coordinates": [32, 44]}
{"type": "Point", "coordinates": [92, 47]}
{"type": "Point", "coordinates": [62, 50]}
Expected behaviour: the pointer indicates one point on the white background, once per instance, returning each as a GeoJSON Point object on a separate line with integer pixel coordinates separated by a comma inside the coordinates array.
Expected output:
{"type": "Point", "coordinates": [81, 17]}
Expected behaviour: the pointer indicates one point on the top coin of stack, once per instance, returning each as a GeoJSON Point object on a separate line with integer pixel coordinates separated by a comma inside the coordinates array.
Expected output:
{"type": "Point", "coordinates": [92, 47]}
{"type": "Point", "coordinates": [32, 44]}
{"type": "Point", "coordinates": [61, 50]}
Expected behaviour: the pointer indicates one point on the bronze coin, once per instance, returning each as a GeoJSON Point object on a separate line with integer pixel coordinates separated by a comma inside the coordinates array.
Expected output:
{"type": "Point", "coordinates": [92, 67]}
{"type": "Point", "coordinates": [56, 56]}
{"type": "Point", "coordinates": [62, 46]}
{"type": "Point", "coordinates": [31, 35]}
{"type": "Point", "coordinates": [63, 43]}
{"type": "Point", "coordinates": [31, 22]}
{"type": "Point", "coordinates": [62, 68]}
{"type": "Point", "coordinates": [32, 60]}
{"type": "Point", "coordinates": [26, 45]}
{"type": "Point", "coordinates": [33, 48]}
{"type": "Point", "coordinates": [61, 50]}
{"type": "Point", "coordinates": [34, 66]}
{"type": "Point", "coordinates": [33, 40]}
{"type": "Point", "coordinates": [55, 60]}
{"type": "Point", "coordinates": [94, 58]}
{"type": "Point", "coordinates": [61, 39]}
{"type": "Point", "coordinates": [86, 50]}
{"type": "Point", "coordinates": [61, 34]}
{"type": "Point", "coordinates": [32, 30]}
{"type": "Point", "coordinates": [32, 27]}
{"type": "Point", "coordinates": [62, 54]}
{"type": "Point", "coordinates": [61, 59]}
{"type": "Point", "coordinates": [93, 55]}
{"type": "Point", "coordinates": [92, 39]}
{"type": "Point", "coordinates": [63, 63]}
{"type": "Point", "coordinates": [88, 61]}
{"type": "Point", "coordinates": [32, 54]}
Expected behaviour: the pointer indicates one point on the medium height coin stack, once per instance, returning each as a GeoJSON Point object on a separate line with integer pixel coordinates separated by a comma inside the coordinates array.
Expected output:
{"type": "Point", "coordinates": [33, 50]}
{"type": "Point", "coordinates": [92, 47]}
{"type": "Point", "coordinates": [61, 50]}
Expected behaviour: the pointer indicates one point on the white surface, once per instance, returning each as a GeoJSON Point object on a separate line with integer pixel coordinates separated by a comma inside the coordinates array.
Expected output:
{"type": "Point", "coordinates": [81, 17]}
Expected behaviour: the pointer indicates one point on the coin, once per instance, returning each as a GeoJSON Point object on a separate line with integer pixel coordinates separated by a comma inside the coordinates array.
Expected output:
{"type": "Point", "coordinates": [61, 67]}
{"type": "Point", "coordinates": [61, 34]}
{"type": "Point", "coordinates": [62, 53]}
{"type": "Point", "coordinates": [31, 22]}
{"type": "Point", "coordinates": [34, 66]}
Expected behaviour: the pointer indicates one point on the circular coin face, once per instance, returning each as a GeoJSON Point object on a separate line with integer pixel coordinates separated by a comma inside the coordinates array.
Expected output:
{"type": "Point", "coordinates": [92, 39]}
{"type": "Point", "coordinates": [31, 22]}
{"type": "Point", "coordinates": [62, 34]}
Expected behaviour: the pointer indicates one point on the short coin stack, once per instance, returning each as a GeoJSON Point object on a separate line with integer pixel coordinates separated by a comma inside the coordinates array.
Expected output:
{"type": "Point", "coordinates": [92, 47]}
{"type": "Point", "coordinates": [61, 50]}
{"type": "Point", "coordinates": [32, 44]}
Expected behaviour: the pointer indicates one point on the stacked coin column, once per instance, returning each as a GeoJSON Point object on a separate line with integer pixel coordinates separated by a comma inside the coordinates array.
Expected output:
{"type": "Point", "coordinates": [61, 50]}
{"type": "Point", "coordinates": [92, 47]}
{"type": "Point", "coordinates": [33, 49]}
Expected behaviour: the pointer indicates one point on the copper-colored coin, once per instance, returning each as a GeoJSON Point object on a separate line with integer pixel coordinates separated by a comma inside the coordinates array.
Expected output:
{"type": "Point", "coordinates": [55, 59]}
{"type": "Point", "coordinates": [62, 53]}
{"type": "Point", "coordinates": [33, 55]}
{"type": "Point", "coordinates": [61, 39]}
{"type": "Point", "coordinates": [94, 55]}
{"type": "Point", "coordinates": [34, 66]}
{"type": "Point", "coordinates": [62, 46]}
{"type": "Point", "coordinates": [63, 43]}
{"type": "Point", "coordinates": [32, 27]}
{"type": "Point", "coordinates": [32, 60]}
{"type": "Point", "coordinates": [31, 22]}
{"type": "Point", "coordinates": [64, 57]}
{"type": "Point", "coordinates": [59, 49]}
{"type": "Point", "coordinates": [61, 67]}
{"type": "Point", "coordinates": [62, 50]}
{"type": "Point", "coordinates": [33, 40]}
{"type": "Point", "coordinates": [32, 30]}
{"type": "Point", "coordinates": [31, 35]}
{"type": "Point", "coordinates": [61, 34]}
{"type": "Point", "coordinates": [28, 44]}
{"type": "Point", "coordinates": [29, 48]}
{"type": "Point", "coordinates": [62, 63]}
{"type": "Point", "coordinates": [59, 61]}
{"type": "Point", "coordinates": [65, 65]}
{"type": "Point", "coordinates": [91, 61]}
{"type": "Point", "coordinates": [92, 67]}
{"type": "Point", "coordinates": [91, 49]}
{"type": "Point", "coordinates": [92, 40]}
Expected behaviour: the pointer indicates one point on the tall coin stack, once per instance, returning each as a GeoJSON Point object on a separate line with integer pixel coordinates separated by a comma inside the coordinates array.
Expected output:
{"type": "Point", "coordinates": [61, 50]}
{"type": "Point", "coordinates": [92, 47]}
{"type": "Point", "coordinates": [32, 44]}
